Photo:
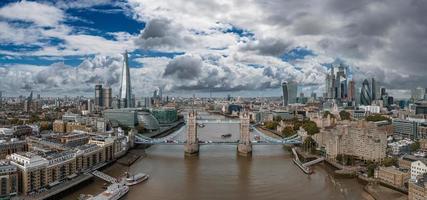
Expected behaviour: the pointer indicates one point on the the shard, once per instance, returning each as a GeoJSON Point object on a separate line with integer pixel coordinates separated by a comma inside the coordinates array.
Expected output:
{"type": "Point", "coordinates": [125, 87]}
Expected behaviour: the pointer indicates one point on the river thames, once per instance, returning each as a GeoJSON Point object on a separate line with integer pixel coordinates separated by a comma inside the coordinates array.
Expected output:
{"type": "Point", "coordinates": [220, 173]}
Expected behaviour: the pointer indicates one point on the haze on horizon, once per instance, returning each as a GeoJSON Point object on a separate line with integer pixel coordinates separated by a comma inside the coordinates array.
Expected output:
{"type": "Point", "coordinates": [247, 49]}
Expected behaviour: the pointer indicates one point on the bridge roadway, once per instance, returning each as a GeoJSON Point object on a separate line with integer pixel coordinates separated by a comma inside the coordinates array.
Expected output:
{"type": "Point", "coordinates": [218, 121]}
{"type": "Point", "coordinates": [266, 140]}
{"type": "Point", "coordinates": [176, 142]}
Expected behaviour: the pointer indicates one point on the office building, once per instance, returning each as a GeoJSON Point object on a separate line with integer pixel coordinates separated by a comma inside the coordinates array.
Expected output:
{"type": "Point", "coordinates": [418, 93]}
{"type": "Point", "coordinates": [337, 84]}
{"type": "Point", "coordinates": [365, 94]}
{"type": "Point", "coordinates": [405, 128]}
{"type": "Point", "coordinates": [352, 91]}
{"type": "Point", "coordinates": [99, 101]}
{"type": "Point", "coordinates": [341, 79]}
{"type": "Point", "coordinates": [285, 93]}
{"type": "Point", "coordinates": [125, 86]}
{"type": "Point", "coordinates": [165, 115]}
{"type": "Point", "coordinates": [330, 84]}
{"type": "Point", "coordinates": [132, 118]}
{"type": "Point", "coordinates": [292, 92]}
{"type": "Point", "coordinates": [383, 92]}
{"type": "Point", "coordinates": [107, 96]}
{"type": "Point", "coordinates": [421, 108]}
{"type": "Point", "coordinates": [422, 131]}
{"type": "Point", "coordinates": [373, 90]}
{"type": "Point", "coordinates": [103, 97]}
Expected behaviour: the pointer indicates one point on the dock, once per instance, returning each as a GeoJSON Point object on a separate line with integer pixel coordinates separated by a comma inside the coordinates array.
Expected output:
{"type": "Point", "coordinates": [297, 161]}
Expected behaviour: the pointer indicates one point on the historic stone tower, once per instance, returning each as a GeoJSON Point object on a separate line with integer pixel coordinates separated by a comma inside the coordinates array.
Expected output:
{"type": "Point", "coordinates": [192, 146]}
{"type": "Point", "coordinates": [244, 146]}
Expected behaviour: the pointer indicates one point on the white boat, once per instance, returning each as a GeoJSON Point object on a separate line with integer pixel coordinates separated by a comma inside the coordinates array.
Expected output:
{"type": "Point", "coordinates": [137, 178]}
{"type": "Point", "coordinates": [114, 192]}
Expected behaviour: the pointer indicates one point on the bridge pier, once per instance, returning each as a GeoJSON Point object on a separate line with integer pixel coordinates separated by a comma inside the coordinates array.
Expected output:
{"type": "Point", "coordinates": [245, 146]}
{"type": "Point", "coordinates": [192, 145]}
{"type": "Point", "coordinates": [191, 149]}
{"type": "Point", "coordinates": [244, 149]}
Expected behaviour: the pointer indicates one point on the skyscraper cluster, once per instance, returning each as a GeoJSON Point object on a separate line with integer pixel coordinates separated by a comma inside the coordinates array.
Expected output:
{"type": "Point", "coordinates": [337, 85]}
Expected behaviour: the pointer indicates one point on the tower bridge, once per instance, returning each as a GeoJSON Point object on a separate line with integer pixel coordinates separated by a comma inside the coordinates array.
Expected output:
{"type": "Point", "coordinates": [244, 143]}
{"type": "Point", "coordinates": [217, 121]}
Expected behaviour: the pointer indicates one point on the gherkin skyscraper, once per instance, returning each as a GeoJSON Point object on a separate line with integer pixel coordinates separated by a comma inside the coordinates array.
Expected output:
{"type": "Point", "coordinates": [365, 94]}
{"type": "Point", "coordinates": [125, 86]}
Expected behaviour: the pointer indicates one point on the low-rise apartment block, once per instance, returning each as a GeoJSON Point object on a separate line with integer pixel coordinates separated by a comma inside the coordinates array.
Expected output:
{"type": "Point", "coordinates": [364, 140]}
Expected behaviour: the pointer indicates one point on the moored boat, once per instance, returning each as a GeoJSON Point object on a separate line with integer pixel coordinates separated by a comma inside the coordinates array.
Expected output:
{"type": "Point", "coordinates": [114, 192]}
{"type": "Point", "coordinates": [135, 179]}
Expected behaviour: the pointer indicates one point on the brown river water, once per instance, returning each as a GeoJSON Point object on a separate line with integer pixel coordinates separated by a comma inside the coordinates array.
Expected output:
{"type": "Point", "coordinates": [220, 173]}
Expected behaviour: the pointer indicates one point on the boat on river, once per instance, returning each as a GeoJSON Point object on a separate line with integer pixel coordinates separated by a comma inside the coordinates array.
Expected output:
{"type": "Point", "coordinates": [113, 192]}
{"type": "Point", "coordinates": [135, 179]}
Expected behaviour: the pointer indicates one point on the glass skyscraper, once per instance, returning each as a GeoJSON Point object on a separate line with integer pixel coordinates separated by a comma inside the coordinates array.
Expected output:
{"type": "Point", "coordinates": [292, 92]}
{"type": "Point", "coordinates": [365, 93]}
{"type": "Point", "coordinates": [285, 93]}
{"type": "Point", "coordinates": [125, 86]}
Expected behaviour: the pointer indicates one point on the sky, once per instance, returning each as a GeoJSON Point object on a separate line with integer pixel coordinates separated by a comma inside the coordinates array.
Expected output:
{"type": "Point", "coordinates": [242, 48]}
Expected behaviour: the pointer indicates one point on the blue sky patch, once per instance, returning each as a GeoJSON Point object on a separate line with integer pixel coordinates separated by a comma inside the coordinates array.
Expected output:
{"type": "Point", "coordinates": [240, 32]}
{"type": "Point", "coordinates": [297, 54]}
{"type": "Point", "coordinates": [97, 19]}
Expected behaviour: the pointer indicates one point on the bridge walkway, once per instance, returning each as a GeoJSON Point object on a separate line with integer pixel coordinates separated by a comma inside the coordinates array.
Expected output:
{"type": "Point", "coordinates": [307, 164]}
{"type": "Point", "coordinates": [104, 176]}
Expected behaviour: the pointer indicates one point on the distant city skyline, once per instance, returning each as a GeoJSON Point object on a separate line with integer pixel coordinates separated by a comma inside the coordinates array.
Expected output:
{"type": "Point", "coordinates": [61, 47]}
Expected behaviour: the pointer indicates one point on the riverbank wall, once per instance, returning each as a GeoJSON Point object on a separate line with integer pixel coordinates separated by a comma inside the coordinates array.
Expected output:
{"type": "Point", "coordinates": [128, 158]}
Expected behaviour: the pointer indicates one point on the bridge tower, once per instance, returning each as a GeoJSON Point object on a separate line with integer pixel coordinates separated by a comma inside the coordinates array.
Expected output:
{"type": "Point", "coordinates": [192, 145]}
{"type": "Point", "coordinates": [244, 147]}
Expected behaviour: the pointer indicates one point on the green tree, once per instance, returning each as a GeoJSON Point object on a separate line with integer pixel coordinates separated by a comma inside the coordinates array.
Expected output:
{"type": "Point", "coordinates": [326, 113]}
{"type": "Point", "coordinates": [287, 131]}
{"type": "Point", "coordinates": [272, 125]}
{"type": "Point", "coordinates": [415, 146]}
{"type": "Point", "coordinates": [344, 115]}
{"type": "Point", "coordinates": [339, 158]}
{"type": "Point", "coordinates": [371, 168]}
{"type": "Point", "coordinates": [140, 128]}
{"type": "Point", "coordinates": [387, 162]}
{"type": "Point", "coordinates": [45, 125]}
{"type": "Point", "coordinates": [310, 127]}
{"type": "Point", "coordinates": [377, 118]}
{"type": "Point", "coordinates": [309, 145]}
{"type": "Point", "coordinates": [277, 118]}
{"type": "Point", "coordinates": [345, 159]}
{"type": "Point", "coordinates": [14, 121]}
